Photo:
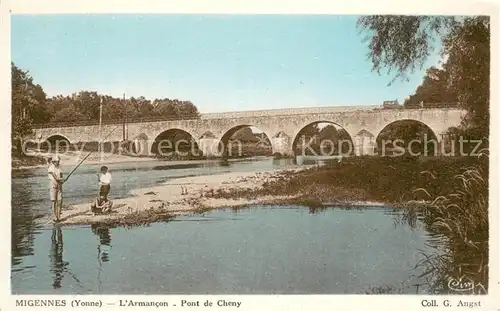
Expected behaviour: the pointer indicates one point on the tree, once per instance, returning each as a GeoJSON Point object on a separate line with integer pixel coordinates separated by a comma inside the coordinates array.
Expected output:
{"type": "Point", "coordinates": [27, 99]}
{"type": "Point", "coordinates": [406, 131]}
{"type": "Point", "coordinates": [468, 47]}
{"type": "Point", "coordinates": [244, 134]}
{"type": "Point", "coordinates": [175, 109]}
{"type": "Point", "coordinates": [403, 43]}
{"type": "Point", "coordinates": [87, 104]}
{"type": "Point", "coordinates": [435, 91]}
{"type": "Point", "coordinates": [310, 131]}
{"type": "Point", "coordinates": [328, 132]}
{"type": "Point", "coordinates": [68, 114]}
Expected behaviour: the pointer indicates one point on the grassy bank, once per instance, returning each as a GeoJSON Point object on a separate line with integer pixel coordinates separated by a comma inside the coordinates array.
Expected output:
{"type": "Point", "coordinates": [27, 161]}
{"type": "Point", "coordinates": [387, 180]}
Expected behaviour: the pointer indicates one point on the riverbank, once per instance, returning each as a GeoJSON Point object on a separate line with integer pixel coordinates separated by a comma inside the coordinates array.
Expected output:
{"type": "Point", "coordinates": [39, 159]}
{"type": "Point", "coordinates": [390, 180]}
{"type": "Point", "coordinates": [25, 162]}
{"type": "Point", "coordinates": [179, 196]}
{"type": "Point", "coordinates": [451, 201]}
{"type": "Point", "coordinates": [352, 182]}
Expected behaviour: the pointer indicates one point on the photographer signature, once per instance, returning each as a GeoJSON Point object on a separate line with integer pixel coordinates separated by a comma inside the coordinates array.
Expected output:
{"type": "Point", "coordinates": [465, 285]}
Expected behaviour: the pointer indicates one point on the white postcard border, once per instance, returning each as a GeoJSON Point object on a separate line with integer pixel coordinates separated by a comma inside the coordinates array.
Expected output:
{"type": "Point", "coordinates": [255, 302]}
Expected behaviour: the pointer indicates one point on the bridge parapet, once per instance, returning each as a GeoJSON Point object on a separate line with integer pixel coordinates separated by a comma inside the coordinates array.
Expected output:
{"type": "Point", "coordinates": [280, 125]}
{"type": "Point", "coordinates": [284, 112]}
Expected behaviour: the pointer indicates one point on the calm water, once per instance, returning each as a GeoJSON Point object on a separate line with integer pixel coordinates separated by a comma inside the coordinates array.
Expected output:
{"type": "Point", "coordinates": [261, 250]}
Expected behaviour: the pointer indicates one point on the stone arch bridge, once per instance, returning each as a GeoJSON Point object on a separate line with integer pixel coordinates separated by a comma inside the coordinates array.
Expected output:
{"type": "Point", "coordinates": [281, 126]}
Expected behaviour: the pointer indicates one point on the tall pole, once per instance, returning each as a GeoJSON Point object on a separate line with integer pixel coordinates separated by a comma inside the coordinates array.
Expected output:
{"type": "Point", "coordinates": [23, 107]}
{"type": "Point", "coordinates": [126, 118]}
{"type": "Point", "coordinates": [100, 133]}
{"type": "Point", "coordinates": [125, 112]}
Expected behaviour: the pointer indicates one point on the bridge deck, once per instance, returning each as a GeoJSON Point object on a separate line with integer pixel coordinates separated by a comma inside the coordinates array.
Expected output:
{"type": "Point", "coordinates": [226, 115]}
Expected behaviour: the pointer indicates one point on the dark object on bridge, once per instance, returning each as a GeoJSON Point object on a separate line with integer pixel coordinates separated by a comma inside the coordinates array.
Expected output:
{"type": "Point", "coordinates": [391, 104]}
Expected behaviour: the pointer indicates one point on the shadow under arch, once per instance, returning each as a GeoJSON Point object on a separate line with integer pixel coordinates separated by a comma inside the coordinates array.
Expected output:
{"type": "Point", "coordinates": [260, 143]}
{"type": "Point", "coordinates": [311, 139]}
{"type": "Point", "coordinates": [175, 141]}
{"type": "Point", "coordinates": [406, 135]}
{"type": "Point", "coordinates": [55, 143]}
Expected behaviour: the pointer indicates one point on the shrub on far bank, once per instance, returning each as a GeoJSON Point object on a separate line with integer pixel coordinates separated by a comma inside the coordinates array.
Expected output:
{"type": "Point", "coordinates": [384, 179]}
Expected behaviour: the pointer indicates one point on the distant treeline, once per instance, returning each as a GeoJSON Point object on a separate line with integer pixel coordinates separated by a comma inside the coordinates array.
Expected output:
{"type": "Point", "coordinates": [30, 102]}
{"type": "Point", "coordinates": [31, 106]}
{"type": "Point", "coordinates": [84, 106]}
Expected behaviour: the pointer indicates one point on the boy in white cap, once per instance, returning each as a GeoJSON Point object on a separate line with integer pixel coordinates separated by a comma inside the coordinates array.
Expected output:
{"type": "Point", "coordinates": [56, 181]}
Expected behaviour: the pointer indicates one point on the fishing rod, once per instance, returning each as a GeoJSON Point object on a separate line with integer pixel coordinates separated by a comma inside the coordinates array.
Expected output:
{"type": "Point", "coordinates": [102, 140]}
{"type": "Point", "coordinates": [186, 184]}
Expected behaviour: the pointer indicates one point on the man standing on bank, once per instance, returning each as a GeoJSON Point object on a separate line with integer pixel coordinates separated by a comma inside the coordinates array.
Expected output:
{"type": "Point", "coordinates": [104, 182]}
{"type": "Point", "coordinates": [56, 180]}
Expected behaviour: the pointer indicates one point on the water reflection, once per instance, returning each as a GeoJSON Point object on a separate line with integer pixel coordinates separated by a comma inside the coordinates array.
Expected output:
{"type": "Point", "coordinates": [355, 261]}
{"type": "Point", "coordinates": [104, 236]}
{"type": "Point", "coordinates": [57, 264]}
{"type": "Point", "coordinates": [24, 218]}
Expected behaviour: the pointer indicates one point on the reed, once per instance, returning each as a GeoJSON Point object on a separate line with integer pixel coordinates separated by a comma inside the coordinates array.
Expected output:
{"type": "Point", "coordinates": [458, 221]}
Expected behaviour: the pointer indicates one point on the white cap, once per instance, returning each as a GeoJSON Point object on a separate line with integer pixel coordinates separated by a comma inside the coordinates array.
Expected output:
{"type": "Point", "coordinates": [56, 158]}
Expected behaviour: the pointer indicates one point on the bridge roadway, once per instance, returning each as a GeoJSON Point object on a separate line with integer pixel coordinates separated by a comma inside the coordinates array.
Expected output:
{"type": "Point", "coordinates": [282, 126]}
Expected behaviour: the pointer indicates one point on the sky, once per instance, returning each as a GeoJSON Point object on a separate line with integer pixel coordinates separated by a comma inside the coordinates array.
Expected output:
{"type": "Point", "coordinates": [218, 62]}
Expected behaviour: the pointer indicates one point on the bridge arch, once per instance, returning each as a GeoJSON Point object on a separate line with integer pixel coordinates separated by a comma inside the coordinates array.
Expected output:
{"type": "Point", "coordinates": [288, 121]}
{"type": "Point", "coordinates": [343, 143]}
{"type": "Point", "coordinates": [396, 138]}
{"type": "Point", "coordinates": [175, 141]}
{"type": "Point", "coordinates": [225, 146]}
{"type": "Point", "coordinates": [57, 137]}
{"type": "Point", "coordinates": [55, 143]}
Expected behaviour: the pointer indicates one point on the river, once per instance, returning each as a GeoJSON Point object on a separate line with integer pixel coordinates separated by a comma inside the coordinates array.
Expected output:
{"type": "Point", "coordinates": [258, 250]}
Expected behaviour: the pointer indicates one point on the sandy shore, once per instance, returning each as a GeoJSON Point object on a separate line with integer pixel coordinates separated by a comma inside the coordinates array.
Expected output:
{"type": "Point", "coordinates": [73, 158]}
{"type": "Point", "coordinates": [167, 200]}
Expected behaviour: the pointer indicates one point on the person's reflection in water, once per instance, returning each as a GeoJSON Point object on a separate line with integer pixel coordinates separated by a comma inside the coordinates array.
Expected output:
{"type": "Point", "coordinates": [102, 255]}
{"type": "Point", "coordinates": [104, 239]}
{"type": "Point", "coordinates": [57, 265]}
